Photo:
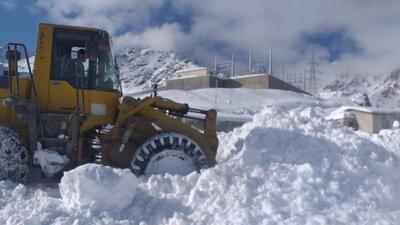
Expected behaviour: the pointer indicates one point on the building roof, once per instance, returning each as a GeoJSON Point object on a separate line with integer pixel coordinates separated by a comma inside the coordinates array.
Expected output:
{"type": "Point", "coordinates": [249, 75]}
{"type": "Point", "coordinates": [191, 69]}
{"type": "Point", "coordinates": [370, 109]}
{"type": "Point", "coordinates": [345, 112]}
{"type": "Point", "coordinates": [339, 113]}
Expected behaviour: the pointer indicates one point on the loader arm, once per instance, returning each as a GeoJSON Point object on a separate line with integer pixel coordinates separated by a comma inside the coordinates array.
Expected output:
{"type": "Point", "coordinates": [141, 119]}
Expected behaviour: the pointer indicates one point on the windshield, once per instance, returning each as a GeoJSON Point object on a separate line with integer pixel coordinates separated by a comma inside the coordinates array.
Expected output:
{"type": "Point", "coordinates": [85, 60]}
{"type": "Point", "coordinates": [107, 76]}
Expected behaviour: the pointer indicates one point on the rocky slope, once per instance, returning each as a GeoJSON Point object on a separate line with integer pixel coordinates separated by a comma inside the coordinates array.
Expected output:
{"type": "Point", "coordinates": [140, 68]}
{"type": "Point", "coordinates": [383, 92]}
{"type": "Point", "coordinates": [22, 65]}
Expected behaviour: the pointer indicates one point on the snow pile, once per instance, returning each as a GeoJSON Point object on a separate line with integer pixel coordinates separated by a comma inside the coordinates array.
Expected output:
{"type": "Point", "coordinates": [293, 167]}
{"type": "Point", "coordinates": [389, 139]}
{"type": "Point", "coordinates": [287, 166]}
{"type": "Point", "coordinates": [51, 162]}
{"type": "Point", "coordinates": [97, 188]}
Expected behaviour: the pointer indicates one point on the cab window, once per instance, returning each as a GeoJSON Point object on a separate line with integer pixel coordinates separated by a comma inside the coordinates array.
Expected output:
{"type": "Point", "coordinates": [98, 68]}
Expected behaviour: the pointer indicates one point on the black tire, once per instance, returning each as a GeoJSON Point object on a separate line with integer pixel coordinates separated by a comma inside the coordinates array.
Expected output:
{"type": "Point", "coordinates": [13, 157]}
{"type": "Point", "coordinates": [178, 147]}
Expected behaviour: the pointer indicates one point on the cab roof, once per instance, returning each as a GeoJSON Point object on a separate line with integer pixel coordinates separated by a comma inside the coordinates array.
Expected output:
{"type": "Point", "coordinates": [71, 27]}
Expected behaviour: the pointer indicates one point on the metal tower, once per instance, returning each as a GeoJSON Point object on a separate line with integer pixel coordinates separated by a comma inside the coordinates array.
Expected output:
{"type": "Point", "coordinates": [312, 72]}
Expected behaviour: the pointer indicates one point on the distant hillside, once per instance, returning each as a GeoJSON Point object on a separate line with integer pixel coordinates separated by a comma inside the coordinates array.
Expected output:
{"type": "Point", "coordinates": [140, 68]}
{"type": "Point", "coordinates": [22, 65]}
{"type": "Point", "coordinates": [383, 92]}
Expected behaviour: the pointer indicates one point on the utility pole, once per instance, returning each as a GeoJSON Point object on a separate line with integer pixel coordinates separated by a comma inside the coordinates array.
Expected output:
{"type": "Point", "coordinates": [233, 66]}
{"type": "Point", "coordinates": [215, 65]}
{"type": "Point", "coordinates": [341, 74]}
{"type": "Point", "coordinates": [270, 61]}
{"type": "Point", "coordinates": [250, 58]}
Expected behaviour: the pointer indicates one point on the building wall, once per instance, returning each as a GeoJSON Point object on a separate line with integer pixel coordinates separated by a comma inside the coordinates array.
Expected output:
{"type": "Point", "coordinates": [258, 81]}
{"type": "Point", "coordinates": [276, 83]}
{"type": "Point", "coordinates": [191, 83]}
{"type": "Point", "coordinates": [193, 72]}
{"type": "Point", "coordinates": [364, 121]}
{"type": "Point", "coordinates": [384, 121]}
{"type": "Point", "coordinates": [252, 82]}
{"type": "Point", "coordinates": [374, 122]}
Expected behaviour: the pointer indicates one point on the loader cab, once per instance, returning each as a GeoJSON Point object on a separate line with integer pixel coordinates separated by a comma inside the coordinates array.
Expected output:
{"type": "Point", "coordinates": [68, 83]}
{"type": "Point", "coordinates": [98, 67]}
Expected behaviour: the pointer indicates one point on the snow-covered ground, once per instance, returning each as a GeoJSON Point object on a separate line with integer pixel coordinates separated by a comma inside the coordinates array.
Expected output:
{"type": "Point", "coordinates": [288, 165]}
{"type": "Point", "coordinates": [243, 104]}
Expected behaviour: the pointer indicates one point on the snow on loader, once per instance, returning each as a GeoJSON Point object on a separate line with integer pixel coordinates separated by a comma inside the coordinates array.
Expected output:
{"type": "Point", "coordinates": [68, 113]}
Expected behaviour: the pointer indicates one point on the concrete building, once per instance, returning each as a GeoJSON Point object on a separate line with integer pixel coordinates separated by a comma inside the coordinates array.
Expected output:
{"type": "Point", "coordinates": [197, 71]}
{"type": "Point", "coordinates": [368, 119]}
{"type": "Point", "coordinates": [187, 83]}
{"type": "Point", "coordinates": [253, 81]}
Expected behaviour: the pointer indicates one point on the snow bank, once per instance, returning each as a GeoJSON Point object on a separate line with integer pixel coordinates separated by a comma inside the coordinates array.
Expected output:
{"type": "Point", "coordinates": [97, 187]}
{"type": "Point", "coordinates": [287, 166]}
{"type": "Point", "coordinates": [389, 139]}
{"type": "Point", "coordinates": [238, 101]}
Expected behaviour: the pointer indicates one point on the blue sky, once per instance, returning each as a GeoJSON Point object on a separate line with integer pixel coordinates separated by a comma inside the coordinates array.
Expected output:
{"type": "Point", "coordinates": [353, 33]}
{"type": "Point", "coordinates": [18, 26]}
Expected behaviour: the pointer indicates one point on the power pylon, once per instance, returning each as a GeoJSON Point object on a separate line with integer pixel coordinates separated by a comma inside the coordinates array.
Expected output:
{"type": "Point", "coordinates": [312, 72]}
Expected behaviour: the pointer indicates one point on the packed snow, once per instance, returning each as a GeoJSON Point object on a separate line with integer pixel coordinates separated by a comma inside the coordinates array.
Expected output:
{"type": "Point", "coordinates": [98, 188]}
{"type": "Point", "coordinates": [50, 161]}
{"type": "Point", "coordinates": [287, 166]}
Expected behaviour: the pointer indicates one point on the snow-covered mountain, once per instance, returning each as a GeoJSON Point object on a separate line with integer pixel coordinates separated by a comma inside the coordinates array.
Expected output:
{"type": "Point", "coordinates": [140, 68]}
{"type": "Point", "coordinates": [387, 92]}
{"type": "Point", "coordinates": [22, 65]}
{"type": "Point", "coordinates": [383, 92]}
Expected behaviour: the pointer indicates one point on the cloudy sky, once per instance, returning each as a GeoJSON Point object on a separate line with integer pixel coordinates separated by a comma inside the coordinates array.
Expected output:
{"type": "Point", "coordinates": [361, 35]}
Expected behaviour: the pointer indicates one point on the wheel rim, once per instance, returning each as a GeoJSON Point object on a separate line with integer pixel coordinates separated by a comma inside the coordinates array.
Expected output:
{"type": "Point", "coordinates": [170, 161]}
{"type": "Point", "coordinates": [171, 153]}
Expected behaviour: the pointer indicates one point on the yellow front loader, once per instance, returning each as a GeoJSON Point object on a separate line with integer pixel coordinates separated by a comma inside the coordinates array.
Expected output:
{"type": "Point", "coordinates": [69, 108]}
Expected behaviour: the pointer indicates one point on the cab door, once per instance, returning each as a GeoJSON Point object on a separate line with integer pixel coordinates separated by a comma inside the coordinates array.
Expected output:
{"type": "Point", "coordinates": [67, 91]}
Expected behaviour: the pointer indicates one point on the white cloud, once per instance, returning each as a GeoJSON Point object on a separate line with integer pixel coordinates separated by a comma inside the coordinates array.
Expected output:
{"type": "Point", "coordinates": [167, 37]}
{"type": "Point", "coordinates": [115, 15]}
{"type": "Point", "coordinates": [236, 25]}
{"type": "Point", "coordinates": [8, 4]}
